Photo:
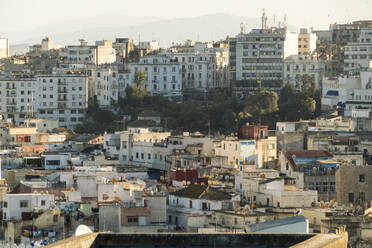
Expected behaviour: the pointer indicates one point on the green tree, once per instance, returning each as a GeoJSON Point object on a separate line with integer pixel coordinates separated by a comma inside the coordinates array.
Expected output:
{"type": "Point", "coordinates": [261, 103]}
{"type": "Point", "coordinates": [140, 88]}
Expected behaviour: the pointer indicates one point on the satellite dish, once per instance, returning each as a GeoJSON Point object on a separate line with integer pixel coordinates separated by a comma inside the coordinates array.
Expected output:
{"type": "Point", "coordinates": [82, 230]}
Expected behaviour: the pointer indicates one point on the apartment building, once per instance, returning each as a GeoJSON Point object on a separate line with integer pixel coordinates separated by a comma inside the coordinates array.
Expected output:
{"type": "Point", "coordinates": [359, 54]}
{"type": "Point", "coordinates": [256, 58]}
{"type": "Point", "coordinates": [306, 42]}
{"type": "Point", "coordinates": [106, 87]}
{"type": "Point", "coordinates": [163, 75]}
{"type": "Point", "coordinates": [17, 95]}
{"type": "Point", "coordinates": [100, 53]}
{"type": "Point", "coordinates": [296, 66]}
{"type": "Point", "coordinates": [204, 66]}
{"type": "Point", "coordinates": [63, 97]}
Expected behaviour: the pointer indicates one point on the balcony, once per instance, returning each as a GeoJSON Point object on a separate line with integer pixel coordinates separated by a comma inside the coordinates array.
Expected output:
{"type": "Point", "coordinates": [61, 105]}
{"type": "Point", "coordinates": [64, 91]}
{"type": "Point", "coordinates": [11, 103]}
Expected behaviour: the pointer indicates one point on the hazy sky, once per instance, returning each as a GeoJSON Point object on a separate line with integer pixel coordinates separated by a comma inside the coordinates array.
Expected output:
{"type": "Point", "coordinates": [29, 14]}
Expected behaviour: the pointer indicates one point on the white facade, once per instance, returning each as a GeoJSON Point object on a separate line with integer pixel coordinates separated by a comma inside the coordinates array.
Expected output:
{"type": "Point", "coordinates": [203, 66]}
{"type": "Point", "coordinates": [297, 66]}
{"type": "Point", "coordinates": [258, 57]}
{"type": "Point", "coordinates": [16, 204]}
{"type": "Point", "coordinates": [106, 87]}
{"type": "Point", "coordinates": [101, 53]}
{"type": "Point", "coordinates": [163, 75]}
{"type": "Point", "coordinates": [56, 161]}
{"type": "Point", "coordinates": [149, 45]}
{"type": "Point", "coordinates": [62, 97]}
{"type": "Point", "coordinates": [359, 54]}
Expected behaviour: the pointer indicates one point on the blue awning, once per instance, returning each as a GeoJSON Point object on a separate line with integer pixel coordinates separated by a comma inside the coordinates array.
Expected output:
{"type": "Point", "coordinates": [332, 93]}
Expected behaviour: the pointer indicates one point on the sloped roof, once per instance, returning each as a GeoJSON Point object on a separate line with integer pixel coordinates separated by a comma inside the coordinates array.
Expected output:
{"type": "Point", "coordinates": [197, 191]}
{"type": "Point", "coordinates": [149, 113]}
{"type": "Point", "coordinates": [275, 223]}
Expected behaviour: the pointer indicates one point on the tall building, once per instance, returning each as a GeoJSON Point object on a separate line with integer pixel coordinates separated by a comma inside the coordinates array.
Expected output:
{"type": "Point", "coordinates": [163, 75]}
{"type": "Point", "coordinates": [359, 54]}
{"type": "Point", "coordinates": [306, 42]}
{"type": "Point", "coordinates": [204, 66]}
{"type": "Point", "coordinates": [4, 48]}
{"type": "Point", "coordinates": [350, 32]}
{"type": "Point", "coordinates": [256, 58]}
{"type": "Point", "coordinates": [59, 96]}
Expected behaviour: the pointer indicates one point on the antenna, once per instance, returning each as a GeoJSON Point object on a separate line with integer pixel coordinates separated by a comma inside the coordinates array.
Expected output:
{"type": "Point", "coordinates": [274, 19]}
{"type": "Point", "coordinates": [241, 28]}
{"type": "Point", "coordinates": [263, 19]}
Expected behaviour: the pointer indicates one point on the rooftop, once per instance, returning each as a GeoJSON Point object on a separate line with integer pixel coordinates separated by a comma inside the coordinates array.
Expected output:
{"type": "Point", "coordinates": [197, 191]}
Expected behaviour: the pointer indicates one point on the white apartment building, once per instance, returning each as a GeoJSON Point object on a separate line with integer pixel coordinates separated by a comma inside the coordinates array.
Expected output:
{"type": "Point", "coordinates": [4, 48]}
{"type": "Point", "coordinates": [359, 54]}
{"type": "Point", "coordinates": [163, 75]}
{"type": "Point", "coordinates": [149, 45]}
{"type": "Point", "coordinates": [296, 66]}
{"type": "Point", "coordinates": [16, 204]}
{"type": "Point", "coordinates": [106, 86]}
{"type": "Point", "coordinates": [101, 53]}
{"type": "Point", "coordinates": [256, 58]}
{"type": "Point", "coordinates": [62, 97]}
{"type": "Point", "coordinates": [306, 42]}
{"type": "Point", "coordinates": [203, 65]}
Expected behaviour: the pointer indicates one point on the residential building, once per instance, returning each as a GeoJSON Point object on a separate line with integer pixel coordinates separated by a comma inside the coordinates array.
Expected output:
{"type": "Point", "coordinates": [163, 75]}
{"type": "Point", "coordinates": [204, 66]}
{"type": "Point", "coordinates": [16, 206]}
{"type": "Point", "coordinates": [106, 88]}
{"type": "Point", "coordinates": [272, 191]}
{"type": "Point", "coordinates": [353, 184]}
{"type": "Point", "coordinates": [306, 42]}
{"type": "Point", "coordinates": [295, 67]}
{"type": "Point", "coordinates": [63, 97]}
{"type": "Point", "coordinates": [101, 53]}
{"type": "Point", "coordinates": [359, 54]}
{"type": "Point", "coordinates": [256, 58]}
{"type": "Point", "coordinates": [149, 45]}
{"type": "Point", "coordinates": [56, 161]}
{"type": "Point", "coordinates": [313, 170]}
{"type": "Point", "coordinates": [197, 199]}
{"type": "Point", "coordinates": [47, 44]}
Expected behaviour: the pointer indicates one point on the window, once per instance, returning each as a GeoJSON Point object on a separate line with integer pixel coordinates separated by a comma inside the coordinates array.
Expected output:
{"type": "Point", "coordinates": [149, 156]}
{"type": "Point", "coordinates": [190, 204]}
{"type": "Point", "coordinates": [132, 219]}
{"type": "Point", "coordinates": [142, 155]}
{"type": "Point", "coordinates": [362, 197]}
{"type": "Point", "coordinates": [5, 204]}
{"type": "Point", "coordinates": [362, 178]}
{"type": "Point", "coordinates": [351, 197]}
{"type": "Point", "coordinates": [42, 202]}
{"type": "Point", "coordinates": [136, 154]}
{"type": "Point", "coordinates": [23, 204]}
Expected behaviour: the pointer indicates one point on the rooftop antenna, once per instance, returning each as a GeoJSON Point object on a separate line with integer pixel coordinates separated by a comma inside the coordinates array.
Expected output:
{"type": "Point", "coordinates": [274, 19]}
{"type": "Point", "coordinates": [263, 19]}
{"type": "Point", "coordinates": [285, 21]}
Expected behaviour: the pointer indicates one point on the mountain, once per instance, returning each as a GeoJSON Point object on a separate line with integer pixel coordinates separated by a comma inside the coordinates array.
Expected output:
{"type": "Point", "coordinates": [202, 28]}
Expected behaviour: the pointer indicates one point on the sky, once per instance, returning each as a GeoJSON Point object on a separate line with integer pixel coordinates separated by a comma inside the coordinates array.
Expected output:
{"type": "Point", "coordinates": [16, 15]}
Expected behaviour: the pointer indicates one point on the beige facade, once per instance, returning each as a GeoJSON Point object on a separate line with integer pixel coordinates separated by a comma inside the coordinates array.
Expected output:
{"type": "Point", "coordinates": [353, 185]}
